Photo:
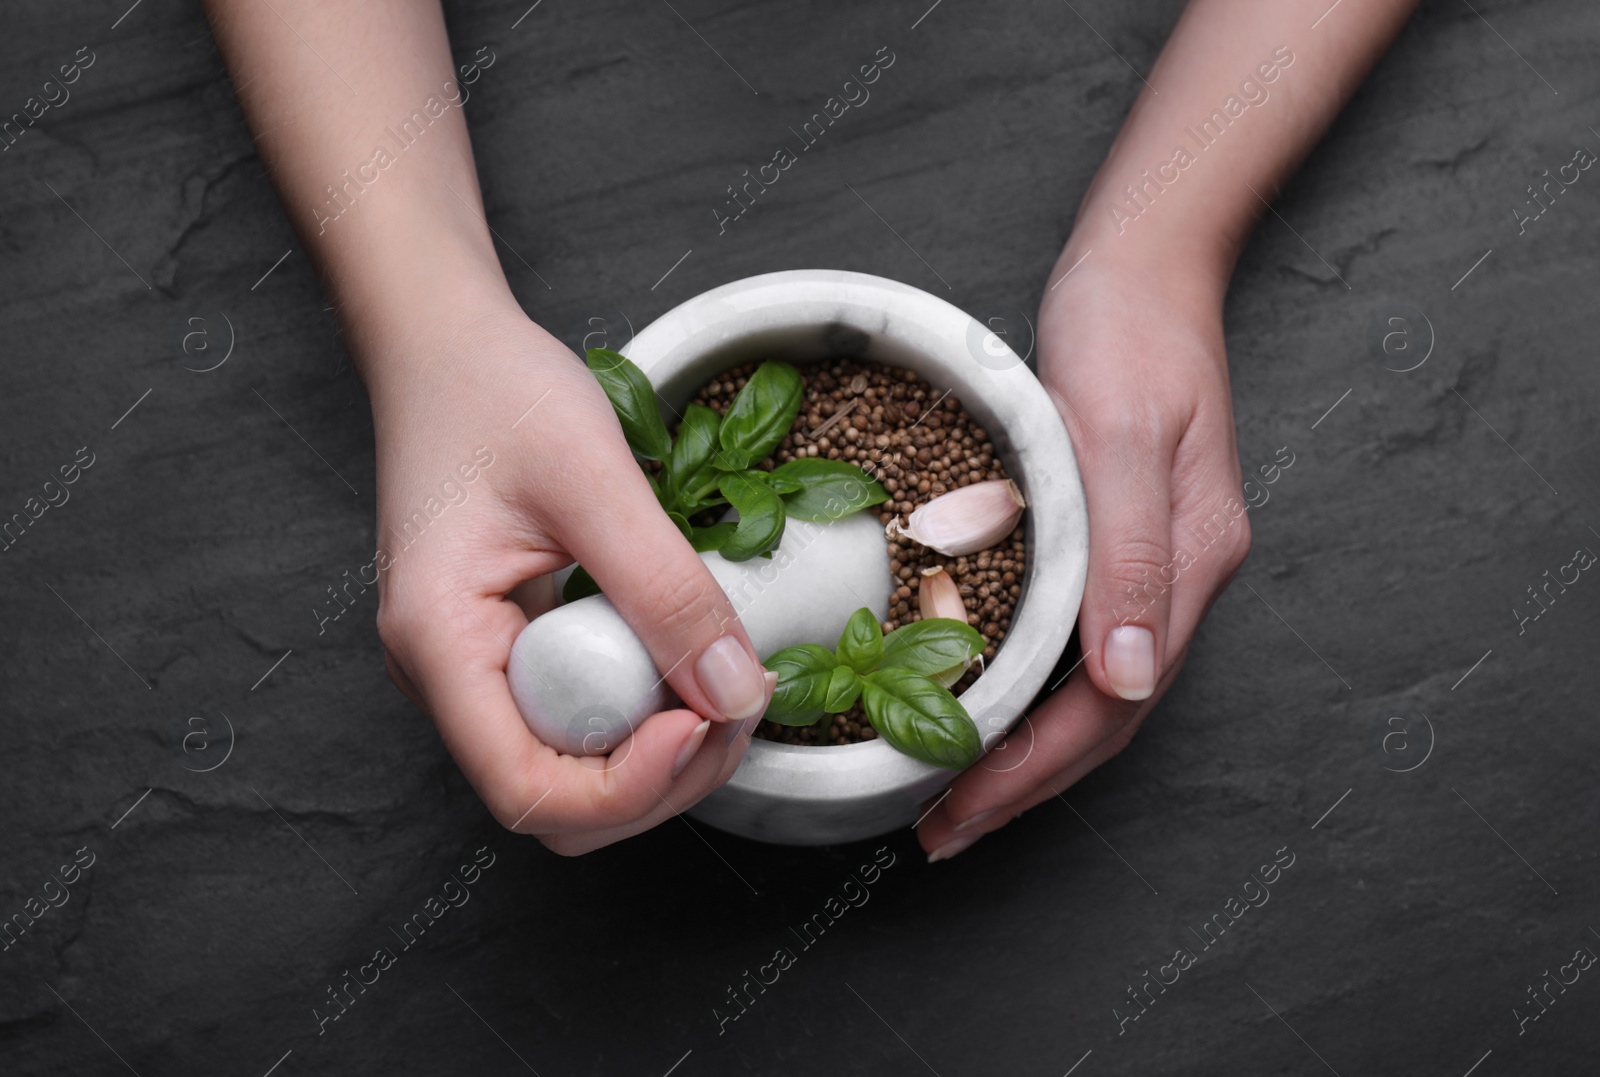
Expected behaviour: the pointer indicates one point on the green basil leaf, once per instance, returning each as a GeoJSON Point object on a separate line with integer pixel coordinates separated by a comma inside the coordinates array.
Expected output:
{"type": "Point", "coordinates": [761, 518]}
{"type": "Point", "coordinates": [731, 460]}
{"type": "Point", "coordinates": [861, 642]}
{"type": "Point", "coordinates": [579, 585]}
{"type": "Point", "coordinates": [633, 400]}
{"type": "Point", "coordinates": [843, 688]}
{"type": "Point", "coordinates": [804, 674]}
{"type": "Point", "coordinates": [683, 523]}
{"type": "Point", "coordinates": [780, 486]}
{"type": "Point", "coordinates": [933, 646]}
{"type": "Point", "coordinates": [829, 488]}
{"type": "Point", "coordinates": [920, 718]}
{"type": "Point", "coordinates": [715, 537]}
{"type": "Point", "coordinates": [761, 414]}
{"type": "Point", "coordinates": [689, 474]}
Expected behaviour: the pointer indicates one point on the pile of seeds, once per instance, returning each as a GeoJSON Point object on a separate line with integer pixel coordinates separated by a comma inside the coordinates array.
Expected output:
{"type": "Point", "coordinates": [919, 443]}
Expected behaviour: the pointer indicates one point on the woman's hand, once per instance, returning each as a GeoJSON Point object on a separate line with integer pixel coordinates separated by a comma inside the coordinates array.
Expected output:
{"type": "Point", "coordinates": [1131, 348]}
{"type": "Point", "coordinates": [559, 484]}
{"type": "Point", "coordinates": [459, 376]}
{"type": "Point", "coordinates": [1136, 365]}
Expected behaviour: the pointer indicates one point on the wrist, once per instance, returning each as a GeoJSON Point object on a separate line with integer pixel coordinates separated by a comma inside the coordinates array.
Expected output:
{"type": "Point", "coordinates": [402, 256]}
{"type": "Point", "coordinates": [1169, 247]}
{"type": "Point", "coordinates": [1172, 275]}
{"type": "Point", "coordinates": [417, 290]}
{"type": "Point", "coordinates": [471, 339]}
{"type": "Point", "coordinates": [1170, 292]}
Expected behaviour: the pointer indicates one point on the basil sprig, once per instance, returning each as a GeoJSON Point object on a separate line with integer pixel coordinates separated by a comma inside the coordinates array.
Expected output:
{"type": "Point", "coordinates": [805, 675]}
{"type": "Point", "coordinates": [939, 647]}
{"type": "Point", "coordinates": [760, 525]}
{"type": "Point", "coordinates": [690, 478]}
{"type": "Point", "coordinates": [861, 642]}
{"type": "Point", "coordinates": [819, 489]}
{"type": "Point", "coordinates": [710, 463]}
{"type": "Point", "coordinates": [920, 718]}
{"type": "Point", "coordinates": [894, 681]}
{"type": "Point", "coordinates": [634, 402]}
{"type": "Point", "coordinates": [760, 415]}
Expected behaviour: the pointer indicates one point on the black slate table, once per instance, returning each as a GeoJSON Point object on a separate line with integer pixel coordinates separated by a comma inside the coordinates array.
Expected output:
{"type": "Point", "coordinates": [248, 810]}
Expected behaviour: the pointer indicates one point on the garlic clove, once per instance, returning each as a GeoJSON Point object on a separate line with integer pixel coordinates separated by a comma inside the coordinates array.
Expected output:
{"type": "Point", "coordinates": [938, 596]}
{"type": "Point", "coordinates": [965, 520]}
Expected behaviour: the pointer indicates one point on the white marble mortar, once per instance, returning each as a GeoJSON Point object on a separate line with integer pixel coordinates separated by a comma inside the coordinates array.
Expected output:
{"type": "Point", "coordinates": [811, 795]}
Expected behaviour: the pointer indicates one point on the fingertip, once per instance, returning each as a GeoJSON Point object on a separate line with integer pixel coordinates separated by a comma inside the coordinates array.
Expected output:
{"type": "Point", "coordinates": [745, 728]}
{"type": "Point", "coordinates": [668, 727]}
{"type": "Point", "coordinates": [691, 745]}
{"type": "Point", "coordinates": [976, 820]}
{"type": "Point", "coordinates": [958, 844]}
{"type": "Point", "coordinates": [649, 754]}
{"type": "Point", "coordinates": [673, 603]}
{"type": "Point", "coordinates": [684, 758]}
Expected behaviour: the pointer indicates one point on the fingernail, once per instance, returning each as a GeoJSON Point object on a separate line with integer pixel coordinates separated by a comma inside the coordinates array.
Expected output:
{"type": "Point", "coordinates": [731, 679]}
{"type": "Point", "coordinates": [1131, 661]}
{"type": "Point", "coordinates": [976, 819]}
{"type": "Point", "coordinates": [952, 847]}
{"type": "Point", "coordinates": [747, 727]}
{"type": "Point", "coordinates": [690, 746]}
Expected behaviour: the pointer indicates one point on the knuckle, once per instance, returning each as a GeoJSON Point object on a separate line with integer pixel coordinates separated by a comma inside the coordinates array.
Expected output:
{"type": "Point", "coordinates": [1222, 531]}
{"type": "Point", "coordinates": [399, 678]}
{"type": "Point", "coordinates": [421, 608]}
{"type": "Point", "coordinates": [1132, 420]}
{"type": "Point", "coordinates": [510, 793]}
{"type": "Point", "coordinates": [616, 803]}
{"type": "Point", "coordinates": [400, 617]}
{"type": "Point", "coordinates": [1136, 561]}
{"type": "Point", "coordinates": [683, 601]}
{"type": "Point", "coordinates": [503, 806]}
{"type": "Point", "coordinates": [1240, 546]}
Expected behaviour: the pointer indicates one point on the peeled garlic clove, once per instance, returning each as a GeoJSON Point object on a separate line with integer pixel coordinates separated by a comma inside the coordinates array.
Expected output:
{"type": "Point", "coordinates": [966, 520]}
{"type": "Point", "coordinates": [938, 596]}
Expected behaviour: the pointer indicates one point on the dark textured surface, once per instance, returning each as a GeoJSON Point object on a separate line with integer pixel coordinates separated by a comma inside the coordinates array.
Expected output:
{"type": "Point", "coordinates": [221, 906]}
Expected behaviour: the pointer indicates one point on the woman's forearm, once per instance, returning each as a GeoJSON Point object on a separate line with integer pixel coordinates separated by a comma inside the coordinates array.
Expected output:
{"type": "Point", "coordinates": [356, 112]}
{"type": "Point", "coordinates": [1240, 94]}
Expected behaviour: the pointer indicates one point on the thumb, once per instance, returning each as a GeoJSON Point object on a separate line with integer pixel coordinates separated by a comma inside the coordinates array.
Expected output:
{"type": "Point", "coordinates": [665, 593]}
{"type": "Point", "coordinates": [1128, 600]}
